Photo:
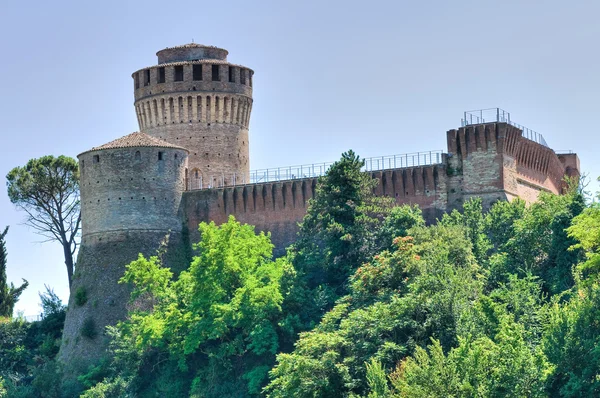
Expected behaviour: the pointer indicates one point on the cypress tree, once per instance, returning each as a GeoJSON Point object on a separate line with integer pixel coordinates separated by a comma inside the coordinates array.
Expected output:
{"type": "Point", "coordinates": [9, 294]}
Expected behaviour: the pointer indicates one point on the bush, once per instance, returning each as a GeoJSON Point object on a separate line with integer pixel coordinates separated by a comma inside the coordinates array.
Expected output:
{"type": "Point", "coordinates": [46, 380]}
{"type": "Point", "coordinates": [107, 389]}
{"type": "Point", "coordinates": [80, 296]}
{"type": "Point", "coordinates": [88, 329]}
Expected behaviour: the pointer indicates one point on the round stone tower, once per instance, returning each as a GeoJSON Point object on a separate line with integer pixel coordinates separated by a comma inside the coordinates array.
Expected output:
{"type": "Point", "coordinates": [131, 191]}
{"type": "Point", "coordinates": [194, 98]}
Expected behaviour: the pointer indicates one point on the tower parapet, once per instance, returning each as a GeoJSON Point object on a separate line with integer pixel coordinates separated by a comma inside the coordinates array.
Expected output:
{"type": "Point", "coordinates": [196, 99]}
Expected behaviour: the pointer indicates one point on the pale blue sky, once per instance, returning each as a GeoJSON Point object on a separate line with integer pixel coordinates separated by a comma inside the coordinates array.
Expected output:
{"type": "Point", "coordinates": [380, 77]}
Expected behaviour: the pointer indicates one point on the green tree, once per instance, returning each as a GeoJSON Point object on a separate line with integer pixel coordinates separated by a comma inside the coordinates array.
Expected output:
{"type": "Point", "coordinates": [338, 233]}
{"type": "Point", "coordinates": [571, 343]}
{"type": "Point", "coordinates": [398, 301]}
{"type": "Point", "coordinates": [572, 336]}
{"type": "Point", "coordinates": [9, 294]}
{"type": "Point", "coordinates": [500, 220]}
{"type": "Point", "coordinates": [504, 366]}
{"type": "Point", "coordinates": [47, 190]}
{"type": "Point", "coordinates": [377, 379]}
{"type": "Point", "coordinates": [217, 322]}
{"type": "Point", "coordinates": [473, 220]}
{"type": "Point", "coordinates": [397, 223]}
{"type": "Point", "coordinates": [540, 242]}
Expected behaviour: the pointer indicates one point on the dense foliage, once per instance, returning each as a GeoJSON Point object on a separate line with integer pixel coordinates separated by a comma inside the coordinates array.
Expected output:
{"type": "Point", "coordinates": [28, 350]}
{"type": "Point", "coordinates": [369, 302]}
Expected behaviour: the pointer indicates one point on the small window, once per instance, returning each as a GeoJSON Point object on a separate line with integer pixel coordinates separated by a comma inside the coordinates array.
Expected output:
{"type": "Point", "coordinates": [160, 156]}
{"type": "Point", "coordinates": [197, 72]}
{"type": "Point", "coordinates": [243, 76]}
{"type": "Point", "coordinates": [250, 78]}
{"type": "Point", "coordinates": [161, 75]}
{"type": "Point", "coordinates": [82, 163]}
{"type": "Point", "coordinates": [231, 75]}
{"type": "Point", "coordinates": [147, 77]}
{"type": "Point", "coordinates": [138, 155]}
{"type": "Point", "coordinates": [136, 77]}
{"type": "Point", "coordinates": [215, 73]}
{"type": "Point", "coordinates": [96, 158]}
{"type": "Point", "coordinates": [179, 73]}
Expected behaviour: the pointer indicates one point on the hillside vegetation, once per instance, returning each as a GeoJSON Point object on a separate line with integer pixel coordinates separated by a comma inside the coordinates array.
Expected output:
{"type": "Point", "coordinates": [369, 302]}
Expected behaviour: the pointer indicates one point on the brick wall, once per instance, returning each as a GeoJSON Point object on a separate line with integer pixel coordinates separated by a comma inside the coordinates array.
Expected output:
{"type": "Point", "coordinates": [492, 161]}
{"type": "Point", "coordinates": [278, 207]}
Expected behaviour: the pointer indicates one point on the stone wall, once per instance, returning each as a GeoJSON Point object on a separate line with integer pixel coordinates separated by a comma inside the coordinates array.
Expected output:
{"type": "Point", "coordinates": [126, 189]}
{"type": "Point", "coordinates": [100, 265]}
{"type": "Point", "coordinates": [130, 202]}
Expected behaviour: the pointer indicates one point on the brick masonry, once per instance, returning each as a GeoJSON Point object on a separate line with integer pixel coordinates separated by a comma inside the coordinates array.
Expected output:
{"type": "Point", "coordinates": [196, 99]}
{"type": "Point", "coordinates": [492, 161]}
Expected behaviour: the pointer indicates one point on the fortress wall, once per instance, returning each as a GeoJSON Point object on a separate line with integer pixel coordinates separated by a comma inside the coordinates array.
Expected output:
{"type": "Point", "coordinates": [278, 207]}
{"type": "Point", "coordinates": [275, 207]}
{"type": "Point", "coordinates": [100, 265]}
{"type": "Point", "coordinates": [494, 161]}
{"type": "Point", "coordinates": [475, 163]}
{"type": "Point", "coordinates": [531, 168]}
{"type": "Point", "coordinates": [131, 189]}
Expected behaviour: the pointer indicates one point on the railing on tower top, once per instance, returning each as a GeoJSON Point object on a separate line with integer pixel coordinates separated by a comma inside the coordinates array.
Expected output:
{"type": "Point", "coordinates": [492, 115]}
{"type": "Point", "coordinates": [315, 170]}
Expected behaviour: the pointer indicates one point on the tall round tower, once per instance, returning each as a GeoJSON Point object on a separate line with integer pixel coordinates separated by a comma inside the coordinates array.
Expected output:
{"type": "Point", "coordinates": [194, 98]}
{"type": "Point", "coordinates": [131, 190]}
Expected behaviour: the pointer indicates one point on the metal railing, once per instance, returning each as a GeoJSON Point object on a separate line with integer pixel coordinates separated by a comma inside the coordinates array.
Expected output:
{"type": "Point", "coordinates": [492, 115]}
{"type": "Point", "coordinates": [29, 318]}
{"type": "Point", "coordinates": [315, 170]}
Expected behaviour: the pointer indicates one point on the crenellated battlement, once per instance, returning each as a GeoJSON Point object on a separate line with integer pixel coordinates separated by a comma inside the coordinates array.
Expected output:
{"type": "Point", "coordinates": [199, 75]}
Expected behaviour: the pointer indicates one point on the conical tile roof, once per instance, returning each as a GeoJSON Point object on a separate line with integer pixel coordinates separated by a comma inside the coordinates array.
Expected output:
{"type": "Point", "coordinates": [136, 139]}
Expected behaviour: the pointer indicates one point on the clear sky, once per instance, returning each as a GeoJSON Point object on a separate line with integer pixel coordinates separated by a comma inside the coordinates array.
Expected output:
{"type": "Point", "coordinates": [379, 77]}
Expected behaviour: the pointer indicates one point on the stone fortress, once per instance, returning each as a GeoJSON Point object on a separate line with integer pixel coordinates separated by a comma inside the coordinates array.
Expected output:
{"type": "Point", "coordinates": [190, 163]}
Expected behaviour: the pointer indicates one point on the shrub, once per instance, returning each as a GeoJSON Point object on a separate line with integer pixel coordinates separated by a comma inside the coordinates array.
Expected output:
{"type": "Point", "coordinates": [80, 296]}
{"type": "Point", "coordinates": [88, 329]}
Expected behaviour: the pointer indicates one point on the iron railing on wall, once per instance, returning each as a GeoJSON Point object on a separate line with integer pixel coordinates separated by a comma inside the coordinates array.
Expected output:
{"type": "Point", "coordinates": [315, 170]}
{"type": "Point", "coordinates": [492, 115]}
